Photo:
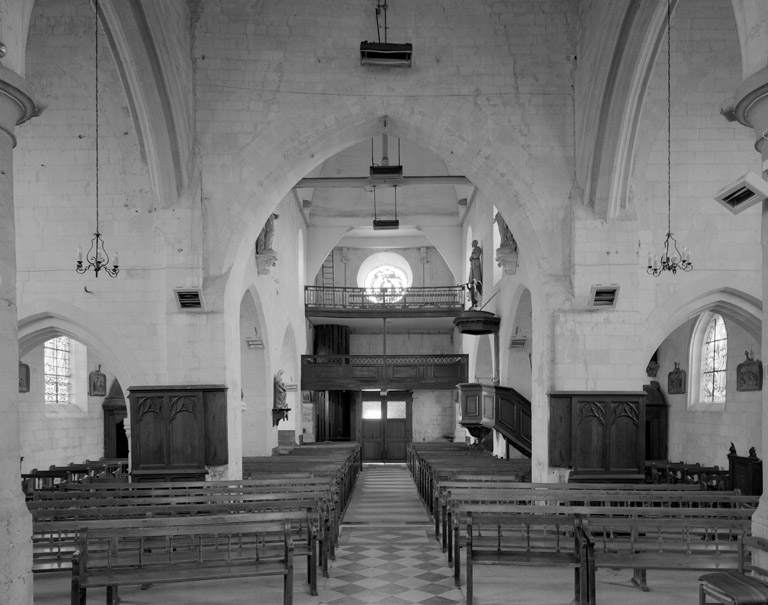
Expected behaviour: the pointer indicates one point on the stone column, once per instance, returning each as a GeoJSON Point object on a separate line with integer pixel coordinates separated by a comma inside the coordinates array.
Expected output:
{"type": "Point", "coordinates": [16, 106]}
{"type": "Point", "coordinates": [750, 108]}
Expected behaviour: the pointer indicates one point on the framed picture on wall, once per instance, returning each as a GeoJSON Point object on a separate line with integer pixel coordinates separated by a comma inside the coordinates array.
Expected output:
{"type": "Point", "coordinates": [97, 383]}
{"type": "Point", "coordinates": [306, 397]}
{"type": "Point", "coordinates": [23, 378]}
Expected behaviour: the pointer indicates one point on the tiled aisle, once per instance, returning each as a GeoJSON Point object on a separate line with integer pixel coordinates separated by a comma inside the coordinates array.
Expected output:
{"type": "Point", "coordinates": [386, 554]}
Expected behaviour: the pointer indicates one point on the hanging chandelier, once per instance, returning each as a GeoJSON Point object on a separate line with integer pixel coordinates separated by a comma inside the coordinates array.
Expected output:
{"type": "Point", "coordinates": [97, 257]}
{"type": "Point", "coordinates": [672, 258]}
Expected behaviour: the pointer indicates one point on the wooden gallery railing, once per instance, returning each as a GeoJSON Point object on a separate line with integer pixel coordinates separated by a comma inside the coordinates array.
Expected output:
{"type": "Point", "coordinates": [355, 372]}
{"type": "Point", "coordinates": [440, 301]}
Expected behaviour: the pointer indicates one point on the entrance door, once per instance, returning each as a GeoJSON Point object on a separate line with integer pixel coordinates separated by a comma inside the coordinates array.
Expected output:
{"type": "Point", "coordinates": [385, 428]}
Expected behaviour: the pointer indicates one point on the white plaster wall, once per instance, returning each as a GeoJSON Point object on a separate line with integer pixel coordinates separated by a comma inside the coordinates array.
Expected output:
{"type": "Point", "coordinates": [433, 415]}
{"type": "Point", "coordinates": [704, 436]}
{"type": "Point", "coordinates": [59, 434]}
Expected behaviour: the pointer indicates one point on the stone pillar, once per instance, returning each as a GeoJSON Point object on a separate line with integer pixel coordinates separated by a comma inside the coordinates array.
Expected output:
{"type": "Point", "coordinates": [750, 108]}
{"type": "Point", "coordinates": [16, 106]}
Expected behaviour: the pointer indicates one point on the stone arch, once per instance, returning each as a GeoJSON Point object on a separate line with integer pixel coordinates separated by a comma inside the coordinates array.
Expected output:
{"type": "Point", "coordinates": [302, 144]}
{"type": "Point", "coordinates": [738, 306]}
{"type": "Point", "coordinates": [255, 379]}
{"type": "Point", "coordinates": [515, 362]}
{"type": "Point", "coordinates": [38, 326]}
{"type": "Point", "coordinates": [484, 370]}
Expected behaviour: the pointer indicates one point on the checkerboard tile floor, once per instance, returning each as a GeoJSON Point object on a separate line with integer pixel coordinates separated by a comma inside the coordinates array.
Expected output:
{"type": "Point", "coordinates": [391, 566]}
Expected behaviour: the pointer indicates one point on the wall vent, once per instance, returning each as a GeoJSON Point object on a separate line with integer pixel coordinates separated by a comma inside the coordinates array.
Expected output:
{"type": "Point", "coordinates": [744, 192]}
{"type": "Point", "coordinates": [517, 342]}
{"type": "Point", "coordinates": [189, 299]}
{"type": "Point", "coordinates": [603, 297]}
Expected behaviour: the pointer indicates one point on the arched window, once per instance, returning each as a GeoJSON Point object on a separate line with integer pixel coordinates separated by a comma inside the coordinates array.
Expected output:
{"type": "Point", "coordinates": [385, 277]}
{"type": "Point", "coordinates": [714, 355]}
{"type": "Point", "coordinates": [64, 372]}
{"type": "Point", "coordinates": [709, 360]}
{"type": "Point", "coordinates": [58, 377]}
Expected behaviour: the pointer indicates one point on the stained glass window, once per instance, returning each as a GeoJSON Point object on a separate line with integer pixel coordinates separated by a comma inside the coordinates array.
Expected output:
{"type": "Point", "coordinates": [58, 377]}
{"type": "Point", "coordinates": [714, 356]}
{"type": "Point", "coordinates": [385, 284]}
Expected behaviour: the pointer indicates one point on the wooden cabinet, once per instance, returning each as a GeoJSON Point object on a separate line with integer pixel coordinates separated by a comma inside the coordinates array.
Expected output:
{"type": "Point", "coordinates": [746, 474]}
{"type": "Point", "coordinates": [600, 435]}
{"type": "Point", "coordinates": [176, 431]}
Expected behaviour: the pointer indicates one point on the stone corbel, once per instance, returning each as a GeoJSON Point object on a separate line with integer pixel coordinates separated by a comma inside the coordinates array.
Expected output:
{"type": "Point", "coordinates": [279, 414]}
{"type": "Point", "coordinates": [506, 257]}
{"type": "Point", "coordinates": [265, 261]}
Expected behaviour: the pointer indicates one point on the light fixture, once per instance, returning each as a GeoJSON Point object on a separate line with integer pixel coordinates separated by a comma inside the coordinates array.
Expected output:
{"type": "Point", "coordinates": [385, 54]}
{"type": "Point", "coordinates": [97, 257]}
{"type": "Point", "coordinates": [383, 223]}
{"type": "Point", "coordinates": [672, 259]}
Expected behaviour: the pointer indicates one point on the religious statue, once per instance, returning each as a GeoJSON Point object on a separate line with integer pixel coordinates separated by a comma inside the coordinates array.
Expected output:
{"type": "Point", "coordinates": [280, 400]}
{"type": "Point", "coordinates": [507, 239]}
{"type": "Point", "coordinates": [264, 241]}
{"type": "Point", "coordinates": [476, 273]}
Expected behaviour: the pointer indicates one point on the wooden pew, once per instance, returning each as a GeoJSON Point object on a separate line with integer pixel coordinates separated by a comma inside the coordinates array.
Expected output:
{"type": "Point", "coordinates": [201, 548]}
{"type": "Point", "coordinates": [527, 536]}
{"type": "Point", "coordinates": [674, 520]}
{"type": "Point", "coordinates": [743, 585]}
{"type": "Point", "coordinates": [678, 541]}
{"type": "Point", "coordinates": [54, 520]}
{"type": "Point", "coordinates": [515, 491]}
{"type": "Point", "coordinates": [596, 500]}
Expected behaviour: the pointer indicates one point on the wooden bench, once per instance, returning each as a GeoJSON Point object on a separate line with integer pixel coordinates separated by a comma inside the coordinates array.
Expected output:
{"type": "Point", "coordinates": [194, 549]}
{"type": "Point", "coordinates": [731, 521]}
{"type": "Point", "coordinates": [54, 523]}
{"type": "Point", "coordinates": [741, 586]}
{"type": "Point", "coordinates": [445, 490]}
{"type": "Point", "coordinates": [679, 540]}
{"type": "Point", "coordinates": [461, 499]}
{"type": "Point", "coordinates": [526, 536]}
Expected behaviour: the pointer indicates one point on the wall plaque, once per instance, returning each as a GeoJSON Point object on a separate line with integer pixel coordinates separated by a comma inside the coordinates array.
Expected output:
{"type": "Point", "coordinates": [676, 381]}
{"type": "Point", "coordinates": [749, 374]}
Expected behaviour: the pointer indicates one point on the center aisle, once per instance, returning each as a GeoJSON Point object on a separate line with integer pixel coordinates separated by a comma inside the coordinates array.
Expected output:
{"type": "Point", "coordinates": [386, 553]}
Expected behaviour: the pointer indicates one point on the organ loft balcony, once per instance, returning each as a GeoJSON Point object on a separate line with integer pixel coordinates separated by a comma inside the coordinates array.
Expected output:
{"type": "Point", "coordinates": [421, 308]}
{"type": "Point", "coordinates": [442, 301]}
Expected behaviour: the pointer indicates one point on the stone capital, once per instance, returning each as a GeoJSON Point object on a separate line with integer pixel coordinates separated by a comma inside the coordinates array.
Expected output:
{"type": "Point", "coordinates": [16, 103]}
{"type": "Point", "coordinates": [749, 106]}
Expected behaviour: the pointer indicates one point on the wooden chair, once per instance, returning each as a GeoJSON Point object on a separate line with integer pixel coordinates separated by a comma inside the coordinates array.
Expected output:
{"type": "Point", "coordinates": [738, 587]}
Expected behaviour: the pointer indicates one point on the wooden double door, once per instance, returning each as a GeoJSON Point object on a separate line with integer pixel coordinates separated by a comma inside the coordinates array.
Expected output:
{"type": "Point", "coordinates": [386, 426]}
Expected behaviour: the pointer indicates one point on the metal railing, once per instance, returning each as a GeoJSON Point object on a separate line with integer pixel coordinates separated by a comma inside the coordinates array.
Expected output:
{"type": "Point", "coordinates": [448, 298]}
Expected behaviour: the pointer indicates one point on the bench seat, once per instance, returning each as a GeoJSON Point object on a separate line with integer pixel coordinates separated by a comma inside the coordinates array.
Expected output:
{"type": "Point", "coordinates": [196, 549]}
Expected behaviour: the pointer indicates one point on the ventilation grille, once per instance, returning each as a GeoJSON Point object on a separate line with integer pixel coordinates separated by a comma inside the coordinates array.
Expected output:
{"type": "Point", "coordinates": [604, 297]}
{"type": "Point", "coordinates": [517, 342]}
{"type": "Point", "coordinates": [744, 192]}
{"type": "Point", "coordinates": [189, 299]}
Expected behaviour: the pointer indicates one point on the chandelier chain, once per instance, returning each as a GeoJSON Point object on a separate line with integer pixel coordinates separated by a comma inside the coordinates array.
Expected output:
{"type": "Point", "coordinates": [672, 259]}
{"type": "Point", "coordinates": [97, 257]}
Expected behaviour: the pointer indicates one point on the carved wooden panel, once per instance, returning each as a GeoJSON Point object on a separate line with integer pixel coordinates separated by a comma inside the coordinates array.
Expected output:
{"type": "Point", "coordinates": [601, 436]}
{"type": "Point", "coordinates": [177, 431]}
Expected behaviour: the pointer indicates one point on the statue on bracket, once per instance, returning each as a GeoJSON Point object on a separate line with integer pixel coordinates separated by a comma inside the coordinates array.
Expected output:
{"type": "Point", "coordinates": [506, 253]}
{"type": "Point", "coordinates": [280, 402]}
{"type": "Point", "coordinates": [475, 284]}
{"type": "Point", "coordinates": [266, 257]}
{"type": "Point", "coordinates": [676, 381]}
{"type": "Point", "coordinates": [749, 374]}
